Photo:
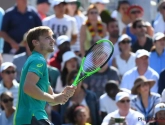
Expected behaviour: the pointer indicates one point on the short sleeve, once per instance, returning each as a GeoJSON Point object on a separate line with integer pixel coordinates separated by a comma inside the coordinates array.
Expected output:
{"type": "Point", "coordinates": [38, 67]}
{"type": "Point", "coordinates": [75, 29]}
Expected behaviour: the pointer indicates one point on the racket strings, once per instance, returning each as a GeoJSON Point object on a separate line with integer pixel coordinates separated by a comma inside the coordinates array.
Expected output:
{"type": "Point", "coordinates": [97, 56]}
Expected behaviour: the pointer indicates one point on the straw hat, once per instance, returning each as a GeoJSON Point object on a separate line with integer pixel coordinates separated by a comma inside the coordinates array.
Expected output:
{"type": "Point", "coordinates": [139, 81]}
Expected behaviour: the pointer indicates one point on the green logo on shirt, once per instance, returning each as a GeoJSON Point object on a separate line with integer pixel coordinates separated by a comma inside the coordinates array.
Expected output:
{"type": "Point", "coordinates": [39, 65]}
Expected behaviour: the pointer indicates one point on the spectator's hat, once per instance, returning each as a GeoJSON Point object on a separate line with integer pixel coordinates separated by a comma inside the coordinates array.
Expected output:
{"type": "Point", "coordinates": [159, 107]}
{"type": "Point", "coordinates": [99, 1]}
{"type": "Point", "coordinates": [6, 65]}
{"type": "Point", "coordinates": [121, 95]}
{"type": "Point", "coordinates": [158, 36]}
{"type": "Point", "coordinates": [56, 2]}
{"type": "Point", "coordinates": [133, 7]}
{"type": "Point", "coordinates": [122, 37]}
{"type": "Point", "coordinates": [61, 39]}
{"type": "Point", "coordinates": [67, 56]}
{"type": "Point", "coordinates": [43, 1]}
{"type": "Point", "coordinates": [74, 1]}
{"type": "Point", "coordinates": [160, 3]}
{"type": "Point", "coordinates": [139, 81]}
{"type": "Point", "coordinates": [141, 52]}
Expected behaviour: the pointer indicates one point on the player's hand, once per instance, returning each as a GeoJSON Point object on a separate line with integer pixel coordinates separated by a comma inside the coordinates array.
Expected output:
{"type": "Point", "coordinates": [69, 90]}
{"type": "Point", "coordinates": [60, 98]}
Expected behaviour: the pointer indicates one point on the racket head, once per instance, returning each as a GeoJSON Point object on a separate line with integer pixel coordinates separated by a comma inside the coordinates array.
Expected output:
{"type": "Point", "coordinates": [95, 58]}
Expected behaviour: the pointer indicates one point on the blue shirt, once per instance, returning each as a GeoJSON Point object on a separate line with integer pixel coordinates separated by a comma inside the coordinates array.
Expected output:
{"type": "Point", "coordinates": [2, 12]}
{"type": "Point", "coordinates": [157, 62]}
{"type": "Point", "coordinates": [16, 24]}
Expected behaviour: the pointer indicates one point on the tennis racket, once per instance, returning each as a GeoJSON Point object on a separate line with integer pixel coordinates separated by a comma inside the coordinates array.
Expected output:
{"type": "Point", "coordinates": [95, 58]}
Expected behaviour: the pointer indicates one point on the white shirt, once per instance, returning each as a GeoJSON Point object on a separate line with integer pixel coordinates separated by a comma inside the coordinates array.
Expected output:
{"type": "Point", "coordinates": [123, 66]}
{"type": "Point", "coordinates": [131, 75]}
{"type": "Point", "coordinates": [59, 87]}
{"type": "Point", "coordinates": [163, 96]}
{"type": "Point", "coordinates": [105, 100]}
{"type": "Point", "coordinates": [131, 118]}
{"type": "Point", "coordinates": [14, 90]}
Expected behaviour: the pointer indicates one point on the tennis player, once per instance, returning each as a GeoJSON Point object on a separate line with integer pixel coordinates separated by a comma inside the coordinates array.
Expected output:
{"type": "Point", "coordinates": [35, 89]}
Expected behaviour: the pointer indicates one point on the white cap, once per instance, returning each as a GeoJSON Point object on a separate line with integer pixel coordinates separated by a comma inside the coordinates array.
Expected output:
{"type": "Point", "coordinates": [6, 65]}
{"type": "Point", "coordinates": [61, 39]}
{"type": "Point", "coordinates": [56, 2]}
{"type": "Point", "coordinates": [141, 52]}
{"type": "Point", "coordinates": [67, 56]}
{"type": "Point", "coordinates": [68, 1]}
{"type": "Point", "coordinates": [158, 36]}
{"type": "Point", "coordinates": [121, 95]}
{"type": "Point", "coordinates": [122, 37]}
{"type": "Point", "coordinates": [159, 107]}
{"type": "Point", "coordinates": [99, 1]}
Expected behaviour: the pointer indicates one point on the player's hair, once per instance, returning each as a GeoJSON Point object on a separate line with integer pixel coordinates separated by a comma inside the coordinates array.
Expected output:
{"type": "Point", "coordinates": [35, 33]}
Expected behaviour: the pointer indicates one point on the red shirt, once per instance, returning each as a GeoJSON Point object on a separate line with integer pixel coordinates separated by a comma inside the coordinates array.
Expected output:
{"type": "Point", "coordinates": [55, 62]}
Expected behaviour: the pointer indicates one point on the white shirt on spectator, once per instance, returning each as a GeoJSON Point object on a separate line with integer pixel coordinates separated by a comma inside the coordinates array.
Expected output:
{"type": "Point", "coordinates": [59, 88]}
{"type": "Point", "coordinates": [163, 96]}
{"type": "Point", "coordinates": [105, 101]}
{"type": "Point", "coordinates": [130, 76]}
{"type": "Point", "coordinates": [131, 119]}
{"type": "Point", "coordinates": [14, 90]}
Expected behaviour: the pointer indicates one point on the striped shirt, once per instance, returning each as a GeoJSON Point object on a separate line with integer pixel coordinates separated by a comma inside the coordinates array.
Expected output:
{"type": "Point", "coordinates": [13, 90]}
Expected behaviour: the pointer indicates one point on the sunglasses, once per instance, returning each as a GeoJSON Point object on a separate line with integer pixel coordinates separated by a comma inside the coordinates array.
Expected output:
{"type": "Point", "coordinates": [140, 26]}
{"type": "Point", "coordinates": [125, 42]}
{"type": "Point", "coordinates": [135, 12]}
{"type": "Point", "coordinates": [9, 72]}
{"type": "Point", "coordinates": [124, 101]}
{"type": "Point", "coordinates": [93, 12]}
{"type": "Point", "coordinates": [7, 100]}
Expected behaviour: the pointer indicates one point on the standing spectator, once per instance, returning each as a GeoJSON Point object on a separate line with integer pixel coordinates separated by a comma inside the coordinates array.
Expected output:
{"type": "Point", "coordinates": [124, 110]}
{"type": "Point", "coordinates": [157, 55]}
{"type": "Point", "coordinates": [111, 89]}
{"type": "Point", "coordinates": [7, 115]}
{"type": "Point", "coordinates": [159, 24]}
{"type": "Point", "coordinates": [113, 32]}
{"type": "Point", "coordinates": [142, 69]}
{"type": "Point", "coordinates": [8, 83]}
{"type": "Point", "coordinates": [43, 8]}
{"type": "Point", "coordinates": [143, 40]}
{"type": "Point", "coordinates": [69, 63]}
{"type": "Point", "coordinates": [145, 101]}
{"type": "Point", "coordinates": [1, 39]}
{"type": "Point", "coordinates": [161, 84]}
{"type": "Point", "coordinates": [92, 30]}
{"type": "Point", "coordinates": [122, 16]}
{"type": "Point", "coordinates": [72, 9]}
{"type": "Point", "coordinates": [83, 97]}
{"type": "Point", "coordinates": [60, 23]}
{"type": "Point", "coordinates": [126, 60]}
{"type": "Point", "coordinates": [159, 115]}
{"type": "Point", "coordinates": [16, 22]}
{"type": "Point", "coordinates": [97, 81]}
{"type": "Point", "coordinates": [63, 44]}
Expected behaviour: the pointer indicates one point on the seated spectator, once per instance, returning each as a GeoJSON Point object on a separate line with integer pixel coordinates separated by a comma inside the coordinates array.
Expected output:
{"type": "Point", "coordinates": [7, 114]}
{"type": "Point", "coordinates": [159, 22]}
{"type": "Point", "coordinates": [159, 115]}
{"type": "Point", "coordinates": [97, 81]}
{"type": "Point", "coordinates": [123, 103]}
{"type": "Point", "coordinates": [111, 89]}
{"type": "Point", "coordinates": [84, 97]}
{"type": "Point", "coordinates": [126, 60]}
{"type": "Point", "coordinates": [69, 63]}
{"type": "Point", "coordinates": [145, 101]}
{"type": "Point", "coordinates": [157, 55]}
{"type": "Point", "coordinates": [92, 30]}
{"type": "Point", "coordinates": [161, 84]}
{"type": "Point", "coordinates": [135, 12]}
{"type": "Point", "coordinates": [143, 40]}
{"type": "Point", "coordinates": [63, 44]}
{"type": "Point", "coordinates": [78, 115]}
{"type": "Point", "coordinates": [8, 83]}
{"type": "Point", "coordinates": [43, 8]}
{"type": "Point", "coordinates": [142, 69]}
